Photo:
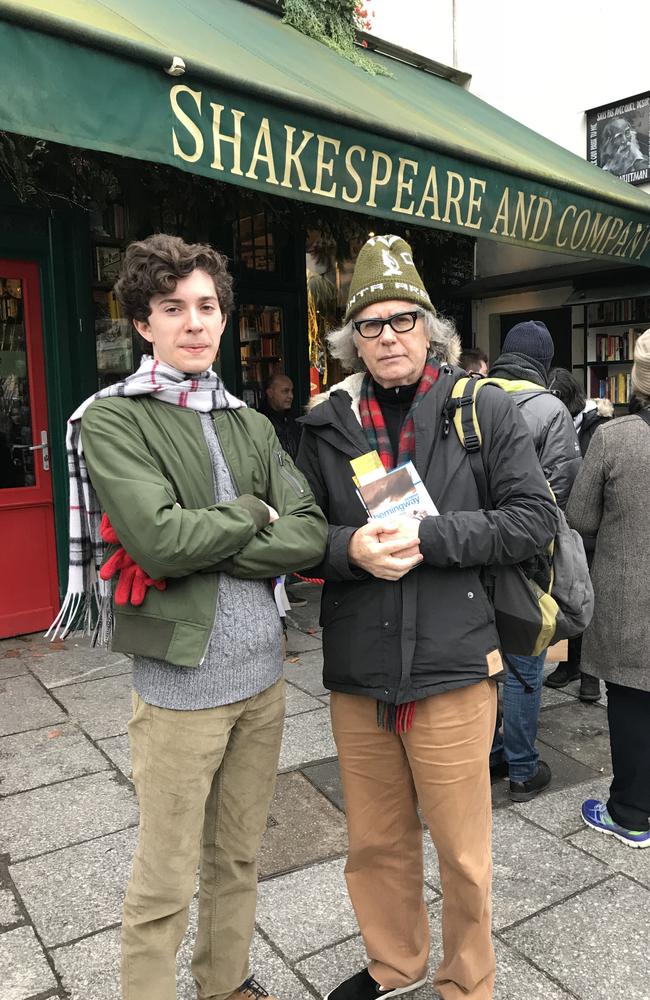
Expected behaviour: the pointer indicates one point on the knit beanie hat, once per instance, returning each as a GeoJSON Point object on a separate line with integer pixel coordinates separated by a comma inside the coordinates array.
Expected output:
{"type": "Point", "coordinates": [385, 270]}
{"type": "Point", "coordinates": [532, 339]}
{"type": "Point", "coordinates": [641, 366]}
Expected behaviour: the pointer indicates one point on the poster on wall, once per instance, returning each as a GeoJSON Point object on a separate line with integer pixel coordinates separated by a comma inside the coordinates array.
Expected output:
{"type": "Point", "coordinates": [618, 138]}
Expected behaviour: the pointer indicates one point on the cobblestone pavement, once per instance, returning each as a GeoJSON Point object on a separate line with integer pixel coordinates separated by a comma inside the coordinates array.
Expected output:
{"type": "Point", "coordinates": [570, 907]}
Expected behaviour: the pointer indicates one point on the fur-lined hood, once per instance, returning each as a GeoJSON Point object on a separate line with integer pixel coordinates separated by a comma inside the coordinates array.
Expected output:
{"type": "Point", "coordinates": [352, 383]}
{"type": "Point", "coordinates": [605, 408]}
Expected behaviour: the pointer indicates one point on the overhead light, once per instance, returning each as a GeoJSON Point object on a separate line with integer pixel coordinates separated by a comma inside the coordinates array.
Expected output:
{"type": "Point", "coordinates": [177, 67]}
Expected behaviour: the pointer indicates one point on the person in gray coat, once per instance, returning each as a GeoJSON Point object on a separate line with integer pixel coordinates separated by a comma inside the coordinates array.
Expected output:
{"type": "Point", "coordinates": [526, 358]}
{"type": "Point", "coordinates": [610, 500]}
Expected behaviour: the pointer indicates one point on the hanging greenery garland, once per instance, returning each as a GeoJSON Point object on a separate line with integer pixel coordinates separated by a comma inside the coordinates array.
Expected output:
{"type": "Point", "coordinates": [334, 23]}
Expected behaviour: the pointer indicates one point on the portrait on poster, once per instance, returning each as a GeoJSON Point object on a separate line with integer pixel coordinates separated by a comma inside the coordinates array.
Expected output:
{"type": "Point", "coordinates": [618, 137]}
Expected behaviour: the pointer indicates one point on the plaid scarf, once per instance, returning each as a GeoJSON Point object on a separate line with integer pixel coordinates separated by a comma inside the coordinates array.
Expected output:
{"type": "Point", "coordinates": [88, 598]}
{"type": "Point", "coordinates": [374, 425]}
{"type": "Point", "coordinates": [394, 718]}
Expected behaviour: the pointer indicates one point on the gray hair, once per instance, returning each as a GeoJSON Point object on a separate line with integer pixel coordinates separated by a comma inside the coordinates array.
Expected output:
{"type": "Point", "coordinates": [444, 342]}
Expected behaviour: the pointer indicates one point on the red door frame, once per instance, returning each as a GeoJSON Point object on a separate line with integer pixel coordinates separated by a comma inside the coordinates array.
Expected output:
{"type": "Point", "coordinates": [39, 567]}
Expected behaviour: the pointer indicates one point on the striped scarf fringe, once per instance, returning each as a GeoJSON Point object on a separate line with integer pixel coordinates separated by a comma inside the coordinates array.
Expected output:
{"type": "Point", "coordinates": [394, 718]}
{"type": "Point", "coordinates": [87, 606]}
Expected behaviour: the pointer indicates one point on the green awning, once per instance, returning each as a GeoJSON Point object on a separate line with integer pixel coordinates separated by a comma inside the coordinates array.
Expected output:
{"type": "Point", "coordinates": [262, 106]}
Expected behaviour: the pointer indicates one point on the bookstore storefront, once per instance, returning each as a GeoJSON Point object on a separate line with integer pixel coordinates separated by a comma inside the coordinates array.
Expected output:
{"type": "Point", "coordinates": [279, 153]}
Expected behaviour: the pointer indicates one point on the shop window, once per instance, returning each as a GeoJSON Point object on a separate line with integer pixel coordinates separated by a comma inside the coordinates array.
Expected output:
{"type": "Point", "coordinates": [254, 242]}
{"type": "Point", "coordinates": [261, 331]}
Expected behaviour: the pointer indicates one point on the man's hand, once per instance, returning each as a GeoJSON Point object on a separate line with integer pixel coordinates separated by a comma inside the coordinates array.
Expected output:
{"type": "Point", "coordinates": [403, 533]}
{"type": "Point", "coordinates": [373, 548]}
{"type": "Point", "coordinates": [273, 514]}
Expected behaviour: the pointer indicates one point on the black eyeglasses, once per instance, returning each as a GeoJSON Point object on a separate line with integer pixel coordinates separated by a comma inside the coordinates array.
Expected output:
{"type": "Point", "coordinates": [370, 329]}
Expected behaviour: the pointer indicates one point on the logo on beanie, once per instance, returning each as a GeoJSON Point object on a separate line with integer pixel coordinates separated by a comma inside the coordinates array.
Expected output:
{"type": "Point", "coordinates": [390, 263]}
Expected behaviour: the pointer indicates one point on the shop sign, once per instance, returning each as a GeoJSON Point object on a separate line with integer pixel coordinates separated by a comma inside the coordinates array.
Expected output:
{"type": "Point", "coordinates": [286, 153]}
{"type": "Point", "coordinates": [618, 138]}
{"type": "Point", "coordinates": [97, 100]}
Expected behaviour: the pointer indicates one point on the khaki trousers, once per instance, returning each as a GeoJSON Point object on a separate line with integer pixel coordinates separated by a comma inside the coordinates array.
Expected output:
{"type": "Point", "coordinates": [442, 764]}
{"type": "Point", "coordinates": [204, 781]}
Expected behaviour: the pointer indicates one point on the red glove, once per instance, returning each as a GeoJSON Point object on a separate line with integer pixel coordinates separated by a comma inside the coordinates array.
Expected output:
{"type": "Point", "coordinates": [133, 581]}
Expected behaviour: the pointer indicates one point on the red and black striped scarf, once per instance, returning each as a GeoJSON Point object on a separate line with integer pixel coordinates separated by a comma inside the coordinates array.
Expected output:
{"type": "Point", "coordinates": [395, 718]}
{"type": "Point", "coordinates": [374, 425]}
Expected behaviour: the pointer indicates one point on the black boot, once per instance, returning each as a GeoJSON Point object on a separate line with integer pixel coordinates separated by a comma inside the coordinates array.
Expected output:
{"type": "Point", "coordinates": [563, 674]}
{"type": "Point", "coordinates": [589, 688]}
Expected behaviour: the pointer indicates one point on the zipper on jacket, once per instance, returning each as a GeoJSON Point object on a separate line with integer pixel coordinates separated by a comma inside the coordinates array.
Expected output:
{"type": "Point", "coordinates": [290, 478]}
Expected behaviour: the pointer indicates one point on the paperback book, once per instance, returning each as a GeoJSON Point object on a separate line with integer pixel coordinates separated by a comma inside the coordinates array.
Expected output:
{"type": "Point", "coordinates": [399, 492]}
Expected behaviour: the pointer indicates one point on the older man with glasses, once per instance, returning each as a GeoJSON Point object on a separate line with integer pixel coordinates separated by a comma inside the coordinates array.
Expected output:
{"type": "Point", "coordinates": [409, 641]}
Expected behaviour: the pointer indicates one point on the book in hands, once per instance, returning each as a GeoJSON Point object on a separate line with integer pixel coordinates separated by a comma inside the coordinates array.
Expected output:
{"type": "Point", "coordinates": [399, 493]}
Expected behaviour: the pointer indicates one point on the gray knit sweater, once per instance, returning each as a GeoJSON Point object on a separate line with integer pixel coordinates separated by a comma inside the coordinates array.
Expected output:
{"type": "Point", "coordinates": [244, 652]}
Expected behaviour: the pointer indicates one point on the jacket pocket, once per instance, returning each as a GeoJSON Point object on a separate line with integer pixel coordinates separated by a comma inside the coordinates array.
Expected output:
{"type": "Point", "coordinates": [361, 635]}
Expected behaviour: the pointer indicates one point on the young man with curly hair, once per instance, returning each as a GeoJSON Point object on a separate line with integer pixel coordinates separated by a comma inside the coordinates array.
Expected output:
{"type": "Point", "coordinates": [203, 509]}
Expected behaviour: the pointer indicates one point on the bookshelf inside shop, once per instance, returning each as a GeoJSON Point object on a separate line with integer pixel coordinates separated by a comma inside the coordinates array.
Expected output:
{"type": "Point", "coordinates": [260, 348]}
{"type": "Point", "coordinates": [113, 333]}
{"type": "Point", "coordinates": [609, 332]}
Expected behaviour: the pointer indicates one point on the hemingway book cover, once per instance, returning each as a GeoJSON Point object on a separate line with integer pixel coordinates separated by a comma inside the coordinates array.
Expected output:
{"type": "Point", "coordinates": [399, 492]}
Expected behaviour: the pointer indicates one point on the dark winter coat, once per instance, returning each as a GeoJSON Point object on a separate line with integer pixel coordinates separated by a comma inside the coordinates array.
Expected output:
{"type": "Point", "coordinates": [286, 428]}
{"type": "Point", "coordinates": [434, 629]}
{"type": "Point", "coordinates": [548, 421]}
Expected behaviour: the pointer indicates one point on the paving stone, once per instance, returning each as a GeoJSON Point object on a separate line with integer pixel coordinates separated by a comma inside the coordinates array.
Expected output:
{"type": "Point", "coordinates": [24, 971]}
{"type": "Point", "coordinates": [578, 730]}
{"type": "Point", "coordinates": [102, 707]}
{"type": "Point", "coordinates": [11, 667]}
{"type": "Point", "coordinates": [553, 696]}
{"type": "Point", "coordinates": [330, 967]}
{"type": "Point", "coordinates": [307, 910]}
{"type": "Point", "coordinates": [307, 617]}
{"type": "Point", "coordinates": [306, 738]}
{"type": "Point", "coordinates": [558, 811]}
{"type": "Point", "coordinates": [532, 869]}
{"type": "Point", "coordinates": [630, 861]}
{"type": "Point", "coordinates": [515, 978]}
{"type": "Point", "coordinates": [307, 673]}
{"type": "Point", "coordinates": [25, 705]}
{"type": "Point", "coordinates": [78, 890]}
{"type": "Point", "coordinates": [299, 701]}
{"type": "Point", "coordinates": [9, 912]}
{"type": "Point", "coordinates": [119, 750]}
{"type": "Point", "coordinates": [42, 756]}
{"type": "Point", "coordinates": [90, 969]}
{"type": "Point", "coordinates": [71, 812]}
{"type": "Point", "coordinates": [306, 827]}
{"type": "Point", "coordinates": [327, 779]}
{"type": "Point", "coordinates": [78, 662]}
{"type": "Point", "coordinates": [610, 941]}
{"type": "Point", "coordinates": [302, 642]}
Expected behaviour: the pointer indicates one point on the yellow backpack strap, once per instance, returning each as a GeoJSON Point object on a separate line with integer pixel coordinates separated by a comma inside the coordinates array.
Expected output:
{"type": "Point", "coordinates": [465, 420]}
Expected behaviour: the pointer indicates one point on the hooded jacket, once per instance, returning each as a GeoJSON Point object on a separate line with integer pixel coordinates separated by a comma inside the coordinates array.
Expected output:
{"type": "Point", "coordinates": [595, 413]}
{"type": "Point", "coordinates": [547, 419]}
{"type": "Point", "coordinates": [434, 629]}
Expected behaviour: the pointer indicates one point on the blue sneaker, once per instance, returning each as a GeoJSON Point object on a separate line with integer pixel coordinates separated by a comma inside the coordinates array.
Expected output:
{"type": "Point", "coordinates": [595, 815]}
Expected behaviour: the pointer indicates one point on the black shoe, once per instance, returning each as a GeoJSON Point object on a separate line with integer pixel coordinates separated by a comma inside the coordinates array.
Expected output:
{"type": "Point", "coordinates": [523, 791]}
{"type": "Point", "coordinates": [589, 688]}
{"type": "Point", "coordinates": [363, 987]}
{"type": "Point", "coordinates": [498, 770]}
{"type": "Point", "coordinates": [562, 675]}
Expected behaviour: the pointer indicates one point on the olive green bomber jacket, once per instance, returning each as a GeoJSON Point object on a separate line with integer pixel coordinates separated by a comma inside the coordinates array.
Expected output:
{"type": "Point", "coordinates": [150, 467]}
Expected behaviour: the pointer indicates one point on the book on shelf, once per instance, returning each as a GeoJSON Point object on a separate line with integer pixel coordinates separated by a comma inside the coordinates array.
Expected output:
{"type": "Point", "coordinates": [619, 310]}
{"type": "Point", "coordinates": [399, 492]}
{"type": "Point", "coordinates": [617, 348]}
{"type": "Point", "coordinates": [616, 388]}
